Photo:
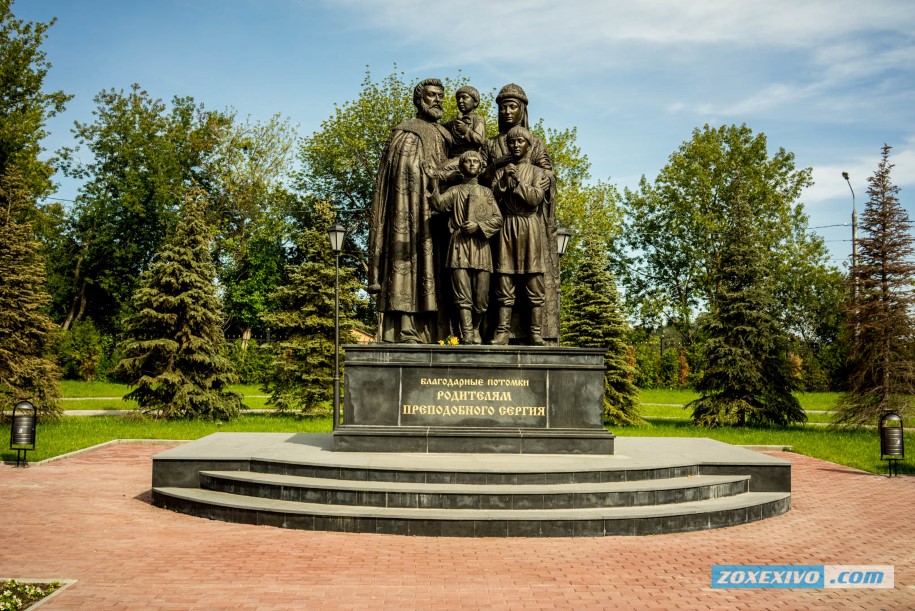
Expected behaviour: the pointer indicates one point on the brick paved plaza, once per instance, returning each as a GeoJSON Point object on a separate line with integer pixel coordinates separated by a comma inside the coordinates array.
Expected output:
{"type": "Point", "coordinates": [88, 518]}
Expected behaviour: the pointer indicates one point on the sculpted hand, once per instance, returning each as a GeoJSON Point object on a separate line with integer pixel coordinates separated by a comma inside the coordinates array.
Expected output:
{"type": "Point", "coordinates": [511, 175]}
{"type": "Point", "coordinates": [470, 227]}
{"type": "Point", "coordinates": [545, 183]}
{"type": "Point", "coordinates": [429, 170]}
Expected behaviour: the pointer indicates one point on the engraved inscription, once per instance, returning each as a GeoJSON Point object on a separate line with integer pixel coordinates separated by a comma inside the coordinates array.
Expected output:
{"type": "Point", "coordinates": [503, 398]}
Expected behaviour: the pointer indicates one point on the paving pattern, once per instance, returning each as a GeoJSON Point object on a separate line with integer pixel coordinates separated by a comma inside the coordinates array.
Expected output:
{"type": "Point", "coordinates": [88, 517]}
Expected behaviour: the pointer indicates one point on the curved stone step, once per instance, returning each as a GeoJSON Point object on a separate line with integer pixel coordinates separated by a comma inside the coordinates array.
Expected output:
{"type": "Point", "coordinates": [599, 521]}
{"type": "Point", "coordinates": [458, 469]}
{"type": "Point", "coordinates": [474, 496]}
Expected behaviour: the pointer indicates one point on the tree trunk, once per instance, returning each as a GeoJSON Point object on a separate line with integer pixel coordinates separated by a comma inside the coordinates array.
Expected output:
{"type": "Point", "coordinates": [76, 298]}
{"type": "Point", "coordinates": [77, 308]}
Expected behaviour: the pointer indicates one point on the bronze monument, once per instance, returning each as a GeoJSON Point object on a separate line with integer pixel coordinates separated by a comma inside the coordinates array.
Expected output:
{"type": "Point", "coordinates": [427, 285]}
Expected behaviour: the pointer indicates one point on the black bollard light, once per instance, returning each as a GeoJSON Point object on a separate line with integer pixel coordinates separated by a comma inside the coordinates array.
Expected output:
{"type": "Point", "coordinates": [22, 433]}
{"type": "Point", "coordinates": [892, 441]}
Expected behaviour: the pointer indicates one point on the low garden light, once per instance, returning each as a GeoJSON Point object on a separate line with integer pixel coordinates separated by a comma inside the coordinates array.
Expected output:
{"type": "Point", "coordinates": [892, 441]}
{"type": "Point", "coordinates": [22, 433]}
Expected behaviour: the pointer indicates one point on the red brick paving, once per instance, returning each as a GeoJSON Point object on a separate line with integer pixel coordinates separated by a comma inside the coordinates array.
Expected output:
{"type": "Point", "coordinates": [88, 518]}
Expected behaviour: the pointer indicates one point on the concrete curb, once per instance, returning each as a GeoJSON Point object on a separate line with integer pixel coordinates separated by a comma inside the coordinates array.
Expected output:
{"type": "Point", "coordinates": [113, 442]}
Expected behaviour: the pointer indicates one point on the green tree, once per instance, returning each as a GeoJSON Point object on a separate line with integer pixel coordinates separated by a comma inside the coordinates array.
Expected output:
{"type": "Point", "coordinates": [811, 298]}
{"type": "Point", "coordinates": [302, 377]}
{"type": "Point", "coordinates": [747, 376]}
{"type": "Point", "coordinates": [248, 198]}
{"type": "Point", "coordinates": [26, 332]}
{"type": "Point", "coordinates": [24, 107]}
{"type": "Point", "coordinates": [251, 275]}
{"type": "Point", "coordinates": [173, 351]}
{"type": "Point", "coordinates": [593, 318]}
{"type": "Point", "coordinates": [674, 226]}
{"type": "Point", "coordinates": [24, 111]}
{"type": "Point", "coordinates": [142, 157]}
{"type": "Point", "coordinates": [881, 311]}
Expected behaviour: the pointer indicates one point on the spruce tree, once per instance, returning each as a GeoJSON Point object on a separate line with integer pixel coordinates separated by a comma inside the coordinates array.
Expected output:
{"type": "Point", "coordinates": [747, 376]}
{"type": "Point", "coordinates": [173, 354]}
{"type": "Point", "coordinates": [303, 369]}
{"type": "Point", "coordinates": [880, 321]}
{"type": "Point", "coordinates": [26, 372]}
{"type": "Point", "coordinates": [593, 318]}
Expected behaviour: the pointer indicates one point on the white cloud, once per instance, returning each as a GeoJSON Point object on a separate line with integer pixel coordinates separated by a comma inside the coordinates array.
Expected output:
{"type": "Point", "coordinates": [510, 30]}
{"type": "Point", "coordinates": [829, 184]}
{"type": "Point", "coordinates": [743, 58]}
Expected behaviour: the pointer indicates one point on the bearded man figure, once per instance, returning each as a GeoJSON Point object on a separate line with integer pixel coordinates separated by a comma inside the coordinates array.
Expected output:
{"type": "Point", "coordinates": [404, 245]}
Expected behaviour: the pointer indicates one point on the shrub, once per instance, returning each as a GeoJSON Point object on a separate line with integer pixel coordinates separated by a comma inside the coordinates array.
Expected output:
{"type": "Point", "coordinates": [81, 351]}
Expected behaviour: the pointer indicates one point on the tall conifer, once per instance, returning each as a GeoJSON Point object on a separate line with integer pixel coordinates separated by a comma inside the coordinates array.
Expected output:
{"type": "Point", "coordinates": [748, 377]}
{"type": "Point", "coordinates": [25, 328]}
{"type": "Point", "coordinates": [881, 312]}
{"type": "Point", "coordinates": [593, 318]}
{"type": "Point", "coordinates": [303, 371]}
{"type": "Point", "coordinates": [173, 352]}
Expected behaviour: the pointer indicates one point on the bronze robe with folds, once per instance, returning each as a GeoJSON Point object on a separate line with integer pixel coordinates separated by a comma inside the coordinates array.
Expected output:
{"type": "Point", "coordinates": [496, 149]}
{"type": "Point", "coordinates": [470, 201]}
{"type": "Point", "coordinates": [403, 257]}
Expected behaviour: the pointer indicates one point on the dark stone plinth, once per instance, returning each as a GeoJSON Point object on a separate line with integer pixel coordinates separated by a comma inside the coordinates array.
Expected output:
{"type": "Point", "coordinates": [475, 399]}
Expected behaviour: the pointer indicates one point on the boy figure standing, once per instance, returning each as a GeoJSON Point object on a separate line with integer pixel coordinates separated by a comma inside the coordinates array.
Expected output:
{"type": "Point", "coordinates": [522, 244]}
{"type": "Point", "coordinates": [475, 218]}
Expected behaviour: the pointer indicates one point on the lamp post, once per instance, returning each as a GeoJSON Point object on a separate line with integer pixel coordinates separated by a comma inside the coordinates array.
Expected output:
{"type": "Point", "coordinates": [854, 239]}
{"type": "Point", "coordinates": [335, 234]}
{"type": "Point", "coordinates": [563, 236]}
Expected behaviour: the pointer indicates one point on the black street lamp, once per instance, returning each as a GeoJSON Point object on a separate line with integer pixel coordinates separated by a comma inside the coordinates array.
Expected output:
{"type": "Point", "coordinates": [335, 234]}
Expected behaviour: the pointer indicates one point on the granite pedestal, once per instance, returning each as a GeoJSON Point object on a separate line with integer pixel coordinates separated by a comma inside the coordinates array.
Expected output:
{"type": "Point", "coordinates": [473, 399]}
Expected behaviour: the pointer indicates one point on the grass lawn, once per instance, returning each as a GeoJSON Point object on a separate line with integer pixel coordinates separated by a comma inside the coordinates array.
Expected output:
{"type": "Point", "coordinates": [675, 412]}
{"type": "Point", "coordinates": [668, 404]}
{"type": "Point", "coordinates": [80, 395]}
{"type": "Point", "coordinates": [817, 401]}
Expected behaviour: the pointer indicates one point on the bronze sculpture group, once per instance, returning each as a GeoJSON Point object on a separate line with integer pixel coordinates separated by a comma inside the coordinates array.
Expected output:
{"type": "Point", "coordinates": [450, 210]}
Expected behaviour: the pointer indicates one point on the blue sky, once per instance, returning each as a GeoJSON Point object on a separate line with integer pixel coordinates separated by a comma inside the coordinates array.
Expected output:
{"type": "Point", "coordinates": [829, 80]}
